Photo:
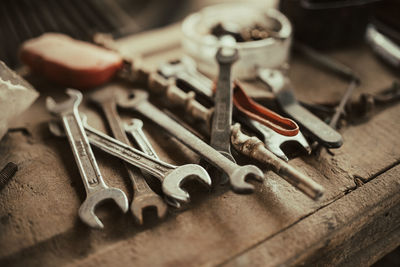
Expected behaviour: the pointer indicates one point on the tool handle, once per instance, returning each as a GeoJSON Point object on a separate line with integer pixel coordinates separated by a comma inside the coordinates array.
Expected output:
{"type": "Point", "coordinates": [82, 151]}
{"type": "Point", "coordinates": [128, 154]}
{"type": "Point", "coordinates": [253, 147]}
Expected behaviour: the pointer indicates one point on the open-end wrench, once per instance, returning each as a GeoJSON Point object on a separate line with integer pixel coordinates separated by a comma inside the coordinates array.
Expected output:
{"type": "Point", "coordinates": [143, 196]}
{"type": "Point", "coordinates": [222, 118]}
{"type": "Point", "coordinates": [185, 71]}
{"type": "Point", "coordinates": [171, 176]}
{"type": "Point", "coordinates": [137, 100]}
{"type": "Point", "coordinates": [281, 87]}
{"type": "Point", "coordinates": [96, 190]}
{"type": "Point", "coordinates": [135, 129]}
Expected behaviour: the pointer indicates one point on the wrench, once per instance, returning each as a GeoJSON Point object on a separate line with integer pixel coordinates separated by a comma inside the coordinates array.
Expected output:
{"type": "Point", "coordinates": [143, 195]}
{"type": "Point", "coordinates": [222, 118]}
{"type": "Point", "coordinates": [171, 176]}
{"type": "Point", "coordinates": [96, 190]}
{"type": "Point", "coordinates": [320, 131]}
{"type": "Point", "coordinates": [185, 71]}
{"type": "Point", "coordinates": [135, 129]}
{"type": "Point", "coordinates": [137, 100]}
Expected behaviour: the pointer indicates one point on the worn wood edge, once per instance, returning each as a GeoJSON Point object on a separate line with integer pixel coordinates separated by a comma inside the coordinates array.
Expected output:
{"type": "Point", "coordinates": [356, 214]}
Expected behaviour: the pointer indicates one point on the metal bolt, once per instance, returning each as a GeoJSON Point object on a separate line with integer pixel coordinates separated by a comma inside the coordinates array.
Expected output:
{"type": "Point", "coordinates": [7, 173]}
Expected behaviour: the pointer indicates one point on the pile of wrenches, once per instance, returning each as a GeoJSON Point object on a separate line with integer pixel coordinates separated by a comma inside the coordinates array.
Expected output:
{"type": "Point", "coordinates": [142, 162]}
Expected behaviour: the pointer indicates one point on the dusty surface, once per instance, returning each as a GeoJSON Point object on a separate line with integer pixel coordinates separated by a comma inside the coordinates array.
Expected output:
{"type": "Point", "coordinates": [276, 225]}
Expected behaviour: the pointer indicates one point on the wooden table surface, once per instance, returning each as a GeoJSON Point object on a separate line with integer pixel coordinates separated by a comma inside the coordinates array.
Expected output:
{"type": "Point", "coordinates": [355, 223]}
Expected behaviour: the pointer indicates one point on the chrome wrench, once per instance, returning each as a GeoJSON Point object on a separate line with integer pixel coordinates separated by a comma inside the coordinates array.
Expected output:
{"type": "Point", "coordinates": [137, 100]}
{"type": "Point", "coordinates": [96, 190]}
{"type": "Point", "coordinates": [171, 176]}
{"type": "Point", "coordinates": [143, 196]}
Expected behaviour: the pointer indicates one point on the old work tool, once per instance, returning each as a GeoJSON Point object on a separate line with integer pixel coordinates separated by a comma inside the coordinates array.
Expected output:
{"type": "Point", "coordinates": [318, 129]}
{"type": "Point", "coordinates": [137, 100]}
{"type": "Point", "coordinates": [171, 176]}
{"type": "Point", "coordinates": [143, 195]}
{"type": "Point", "coordinates": [275, 129]}
{"type": "Point", "coordinates": [135, 129]}
{"type": "Point", "coordinates": [198, 112]}
{"type": "Point", "coordinates": [96, 190]}
{"type": "Point", "coordinates": [222, 118]}
{"type": "Point", "coordinates": [185, 71]}
{"type": "Point", "coordinates": [253, 147]}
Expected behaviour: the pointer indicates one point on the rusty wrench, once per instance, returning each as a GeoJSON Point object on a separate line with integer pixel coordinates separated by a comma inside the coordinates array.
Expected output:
{"type": "Point", "coordinates": [96, 190]}
{"type": "Point", "coordinates": [137, 100]}
{"type": "Point", "coordinates": [143, 196]}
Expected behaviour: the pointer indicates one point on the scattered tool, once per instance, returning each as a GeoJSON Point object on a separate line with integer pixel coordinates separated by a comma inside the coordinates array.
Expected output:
{"type": "Point", "coordinates": [199, 112]}
{"type": "Point", "coordinates": [96, 190]}
{"type": "Point", "coordinates": [222, 118]}
{"type": "Point", "coordinates": [7, 173]}
{"type": "Point", "coordinates": [137, 100]}
{"type": "Point", "coordinates": [318, 129]}
{"type": "Point", "coordinates": [185, 71]}
{"type": "Point", "coordinates": [143, 196]}
{"type": "Point", "coordinates": [171, 176]}
{"type": "Point", "coordinates": [135, 129]}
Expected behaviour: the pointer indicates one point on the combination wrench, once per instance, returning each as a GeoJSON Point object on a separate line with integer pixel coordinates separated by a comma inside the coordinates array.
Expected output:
{"type": "Point", "coordinates": [171, 177]}
{"type": "Point", "coordinates": [222, 118]}
{"type": "Point", "coordinates": [135, 129]}
{"type": "Point", "coordinates": [143, 196]}
{"type": "Point", "coordinates": [96, 190]}
{"type": "Point", "coordinates": [137, 100]}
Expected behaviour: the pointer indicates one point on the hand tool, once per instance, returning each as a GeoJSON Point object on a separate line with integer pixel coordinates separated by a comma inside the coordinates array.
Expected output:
{"type": "Point", "coordinates": [171, 176]}
{"type": "Point", "coordinates": [135, 129]}
{"type": "Point", "coordinates": [281, 87]}
{"type": "Point", "coordinates": [222, 118]}
{"type": "Point", "coordinates": [193, 108]}
{"type": "Point", "coordinates": [7, 173]}
{"type": "Point", "coordinates": [143, 195]}
{"type": "Point", "coordinates": [253, 147]}
{"type": "Point", "coordinates": [185, 71]}
{"type": "Point", "coordinates": [96, 190]}
{"type": "Point", "coordinates": [137, 100]}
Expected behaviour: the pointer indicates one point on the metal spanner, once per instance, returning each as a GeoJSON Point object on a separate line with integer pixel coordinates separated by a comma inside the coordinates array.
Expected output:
{"type": "Point", "coordinates": [222, 118]}
{"type": "Point", "coordinates": [135, 129]}
{"type": "Point", "coordinates": [137, 100]}
{"type": "Point", "coordinates": [280, 85]}
{"type": "Point", "coordinates": [96, 190]}
{"type": "Point", "coordinates": [143, 196]}
{"type": "Point", "coordinates": [171, 176]}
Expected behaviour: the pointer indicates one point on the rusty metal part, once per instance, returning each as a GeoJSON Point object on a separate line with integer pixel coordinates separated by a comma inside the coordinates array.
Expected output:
{"type": "Point", "coordinates": [97, 191]}
{"type": "Point", "coordinates": [143, 196]}
{"type": "Point", "coordinates": [136, 100]}
{"type": "Point", "coordinates": [196, 110]}
{"type": "Point", "coordinates": [7, 173]}
{"type": "Point", "coordinates": [135, 129]}
{"type": "Point", "coordinates": [253, 147]}
{"type": "Point", "coordinates": [319, 130]}
{"type": "Point", "coordinates": [222, 118]}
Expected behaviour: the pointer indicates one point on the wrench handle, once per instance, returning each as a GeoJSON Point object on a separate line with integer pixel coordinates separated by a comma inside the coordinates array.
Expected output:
{"type": "Point", "coordinates": [110, 111]}
{"type": "Point", "coordinates": [82, 151]}
{"type": "Point", "coordinates": [128, 154]}
{"type": "Point", "coordinates": [136, 131]}
{"type": "Point", "coordinates": [185, 136]}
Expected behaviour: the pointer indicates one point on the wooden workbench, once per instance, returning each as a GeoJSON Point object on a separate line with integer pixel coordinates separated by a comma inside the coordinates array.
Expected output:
{"type": "Point", "coordinates": [355, 223]}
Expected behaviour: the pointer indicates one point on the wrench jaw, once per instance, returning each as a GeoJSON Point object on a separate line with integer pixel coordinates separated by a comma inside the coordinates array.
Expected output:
{"type": "Point", "coordinates": [141, 202]}
{"type": "Point", "coordinates": [68, 105]}
{"type": "Point", "coordinates": [171, 185]}
{"type": "Point", "coordinates": [87, 209]}
{"type": "Point", "coordinates": [240, 176]}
